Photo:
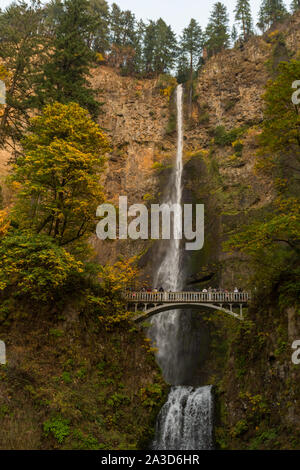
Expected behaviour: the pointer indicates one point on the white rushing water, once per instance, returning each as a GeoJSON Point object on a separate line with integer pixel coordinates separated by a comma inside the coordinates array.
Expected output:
{"type": "Point", "coordinates": [185, 421]}
{"type": "Point", "coordinates": [165, 327]}
{"type": "Point", "coordinates": [169, 270]}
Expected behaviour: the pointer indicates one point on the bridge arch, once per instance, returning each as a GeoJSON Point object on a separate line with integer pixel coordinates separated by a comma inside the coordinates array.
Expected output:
{"type": "Point", "coordinates": [157, 302]}
{"type": "Point", "coordinates": [179, 306]}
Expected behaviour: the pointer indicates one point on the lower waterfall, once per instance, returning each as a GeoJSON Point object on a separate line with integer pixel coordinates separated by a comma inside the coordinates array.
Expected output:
{"type": "Point", "coordinates": [186, 421]}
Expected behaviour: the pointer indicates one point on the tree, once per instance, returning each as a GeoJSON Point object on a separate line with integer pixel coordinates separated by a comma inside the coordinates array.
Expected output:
{"type": "Point", "coordinates": [116, 24]}
{"type": "Point", "coordinates": [166, 48]}
{"type": "Point", "coordinates": [183, 68]}
{"type": "Point", "coordinates": [139, 43]}
{"type": "Point", "coordinates": [234, 34]}
{"type": "Point", "coordinates": [4, 223]}
{"type": "Point", "coordinates": [191, 43]}
{"type": "Point", "coordinates": [59, 174]}
{"type": "Point", "coordinates": [270, 12]}
{"type": "Point", "coordinates": [243, 17]}
{"type": "Point", "coordinates": [280, 137]}
{"type": "Point", "coordinates": [160, 48]}
{"type": "Point", "coordinates": [20, 47]}
{"type": "Point", "coordinates": [99, 38]}
{"type": "Point", "coordinates": [125, 39]}
{"type": "Point", "coordinates": [149, 47]}
{"type": "Point", "coordinates": [69, 59]}
{"type": "Point", "coordinates": [295, 6]}
{"type": "Point", "coordinates": [113, 280]}
{"type": "Point", "coordinates": [216, 34]}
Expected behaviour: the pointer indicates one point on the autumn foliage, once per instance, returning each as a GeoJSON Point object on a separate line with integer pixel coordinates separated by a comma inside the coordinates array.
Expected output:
{"type": "Point", "coordinates": [59, 174]}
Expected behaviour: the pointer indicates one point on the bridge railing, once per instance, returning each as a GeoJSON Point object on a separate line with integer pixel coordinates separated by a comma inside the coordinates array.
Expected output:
{"type": "Point", "coordinates": [173, 297]}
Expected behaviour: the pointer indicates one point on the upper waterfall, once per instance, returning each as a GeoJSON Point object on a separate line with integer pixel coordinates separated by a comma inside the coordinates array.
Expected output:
{"type": "Point", "coordinates": [168, 273]}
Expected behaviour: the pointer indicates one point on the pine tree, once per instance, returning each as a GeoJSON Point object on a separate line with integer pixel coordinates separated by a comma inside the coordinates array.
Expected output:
{"type": "Point", "coordinates": [234, 34]}
{"type": "Point", "coordinates": [244, 18]}
{"type": "Point", "coordinates": [99, 39]}
{"type": "Point", "coordinates": [295, 6]}
{"type": "Point", "coordinates": [69, 58]}
{"type": "Point", "coordinates": [20, 47]}
{"type": "Point", "coordinates": [124, 39]}
{"type": "Point", "coordinates": [166, 48]}
{"type": "Point", "coordinates": [183, 68]}
{"type": "Point", "coordinates": [137, 61]}
{"type": "Point", "coordinates": [217, 35]}
{"type": "Point", "coordinates": [122, 26]}
{"type": "Point", "coordinates": [270, 12]}
{"type": "Point", "coordinates": [191, 43]}
{"type": "Point", "coordinates": [149, 47]}
{"type": "Point", "coordinates": [160, 48]}
{"type": "Point", "coordinates": [115, 24]}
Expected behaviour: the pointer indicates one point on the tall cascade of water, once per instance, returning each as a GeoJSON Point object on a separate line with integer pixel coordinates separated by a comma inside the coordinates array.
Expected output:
{"type": "Point", "coordinates": [185, 421]}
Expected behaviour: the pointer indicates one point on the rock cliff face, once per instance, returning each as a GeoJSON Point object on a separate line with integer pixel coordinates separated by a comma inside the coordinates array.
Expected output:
{"type": "Point", "coordinates": [135, 115]}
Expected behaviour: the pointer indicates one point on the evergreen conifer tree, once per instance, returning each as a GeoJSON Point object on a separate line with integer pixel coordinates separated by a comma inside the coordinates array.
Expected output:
{"type": "Point", "coordinates": [244, 18]}
{"type": "Point", "coordinates": [191, 44]}
{"type": "Point", "coordinates": [160, 48]}
{"type": "Point", "coordinates": [69, 58]}
{"type": "Point", "coordinates": [270, 12]}
{"type": "Point", "coordinates": [234, 34]}
{"type": "Point", "coordinates": [295, 5]}
{"type": "Point", "coordinates": [20, 47]}
{"type": "Point", "coordinates": [217, 34]}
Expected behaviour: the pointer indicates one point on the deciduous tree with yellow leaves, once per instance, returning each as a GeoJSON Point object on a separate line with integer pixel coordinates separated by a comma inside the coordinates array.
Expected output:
{"type": "Point", "coordinates": [59, 173]}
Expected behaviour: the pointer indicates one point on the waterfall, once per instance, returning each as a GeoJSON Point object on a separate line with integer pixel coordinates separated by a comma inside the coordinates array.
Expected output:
{"type": "Point", "coordinates": [185, 421]}
{"type": "Point", "coordinates": [165, 327]}
{"type": "Point", "coordinates": [169, 270]}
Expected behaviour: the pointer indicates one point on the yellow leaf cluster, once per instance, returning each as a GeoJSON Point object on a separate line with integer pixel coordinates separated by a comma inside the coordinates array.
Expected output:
{"type": "Point", "coordinates": [4, 223]}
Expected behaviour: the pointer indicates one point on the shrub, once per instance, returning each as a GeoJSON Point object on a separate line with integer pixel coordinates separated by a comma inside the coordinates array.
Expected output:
{"type": "Point", "coordinates": [167, 85]}
{"type": "Point", "coordinates": [224, 138]}
{"type": "Point", "coordinates": [34, 266]}
{"type": "Point", "coordinates": [158, 166]}
{"type": "Point", "coordinates": [240, 428]}
{"type": "Point", "coordinates": [58, 427]}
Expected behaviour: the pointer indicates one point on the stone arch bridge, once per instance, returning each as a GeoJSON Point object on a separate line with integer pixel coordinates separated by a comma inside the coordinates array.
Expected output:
{"type": "Point", "coordinates": [151, 303]}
